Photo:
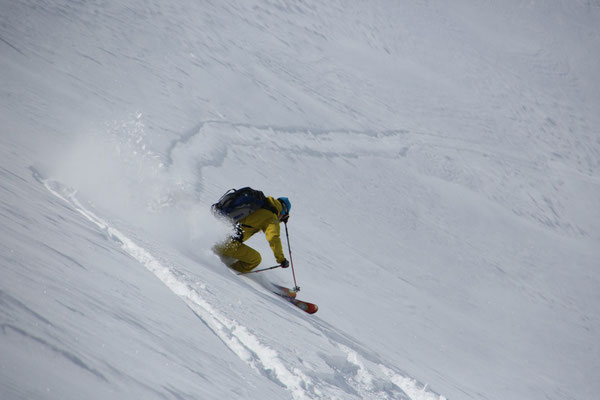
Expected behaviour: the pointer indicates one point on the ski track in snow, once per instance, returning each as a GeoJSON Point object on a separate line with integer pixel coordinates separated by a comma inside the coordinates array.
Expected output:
{"type": "Point", "coordinates": [366, 380]}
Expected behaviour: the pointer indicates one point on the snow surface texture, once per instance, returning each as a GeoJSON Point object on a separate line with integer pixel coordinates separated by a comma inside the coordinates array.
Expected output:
{"type": "Point", "coordinates": [443, 162]}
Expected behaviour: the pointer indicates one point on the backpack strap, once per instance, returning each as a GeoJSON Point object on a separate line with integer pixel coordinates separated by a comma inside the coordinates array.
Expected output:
{"type": "Point", "coordinates": [267, 206]}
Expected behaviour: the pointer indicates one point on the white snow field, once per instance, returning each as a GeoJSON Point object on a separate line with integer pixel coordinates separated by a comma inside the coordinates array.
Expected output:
{"type": "Point", "coordinates": [443, 163]}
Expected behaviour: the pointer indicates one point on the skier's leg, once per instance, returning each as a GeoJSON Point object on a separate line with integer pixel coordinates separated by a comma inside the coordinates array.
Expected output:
{"type": "Point", "coordinates": [247, 258]}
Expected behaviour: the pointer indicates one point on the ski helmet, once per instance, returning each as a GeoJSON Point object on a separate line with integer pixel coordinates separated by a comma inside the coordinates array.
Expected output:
{"type": "Point", "coordinates": [285, 204]}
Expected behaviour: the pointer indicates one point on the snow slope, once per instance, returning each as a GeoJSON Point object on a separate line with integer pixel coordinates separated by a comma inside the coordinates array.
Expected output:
{"type": "Point", "coordinates": [442, 161]}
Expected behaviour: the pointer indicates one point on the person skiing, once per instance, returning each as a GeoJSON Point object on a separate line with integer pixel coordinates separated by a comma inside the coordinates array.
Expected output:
{"type": "Point", "coordinates": [243, 258]}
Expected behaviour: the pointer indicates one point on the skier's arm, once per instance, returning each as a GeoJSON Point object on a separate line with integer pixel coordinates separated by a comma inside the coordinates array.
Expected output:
{"type": "Point", "coordinates": [272, 234]}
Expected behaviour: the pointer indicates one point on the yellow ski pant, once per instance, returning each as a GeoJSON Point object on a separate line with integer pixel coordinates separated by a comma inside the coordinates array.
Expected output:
{"type": "Point", "coordinates": [246, 257]}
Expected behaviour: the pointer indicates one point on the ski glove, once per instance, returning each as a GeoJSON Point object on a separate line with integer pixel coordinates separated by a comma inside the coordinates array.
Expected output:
{"type": "Point", "coordinates": [285, 264]}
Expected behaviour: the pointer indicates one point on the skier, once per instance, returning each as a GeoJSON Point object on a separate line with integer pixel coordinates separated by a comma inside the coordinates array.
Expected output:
{"type": "Point", "coordinates": [251, 211]}
{"type": "Point", "coordinates": [243, 258]}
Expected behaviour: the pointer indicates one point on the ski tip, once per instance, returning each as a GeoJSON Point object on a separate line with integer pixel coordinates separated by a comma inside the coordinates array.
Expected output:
{"type": "Point", "coordinates": [290, 295]}
{"type": "Point", "coordinates": [309, 308]}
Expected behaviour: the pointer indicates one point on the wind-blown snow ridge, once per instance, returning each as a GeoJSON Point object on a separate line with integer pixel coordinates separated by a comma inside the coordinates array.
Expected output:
{"type": "Point", "coordinates": [448, 159]}
{"type": "Point", "coordinates": [375, 381]}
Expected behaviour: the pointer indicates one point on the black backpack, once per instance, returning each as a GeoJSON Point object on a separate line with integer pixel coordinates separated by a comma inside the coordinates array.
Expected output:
{"type": "Point", "coordinates": [238, 204]}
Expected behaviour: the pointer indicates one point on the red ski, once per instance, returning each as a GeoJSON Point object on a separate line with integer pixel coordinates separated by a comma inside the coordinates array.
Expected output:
{"type": "Point", "coordinates": [290, 295]}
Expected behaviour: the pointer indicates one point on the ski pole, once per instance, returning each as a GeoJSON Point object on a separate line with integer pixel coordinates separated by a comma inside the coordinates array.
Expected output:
{"type": "Point", "coordinates": [287, 236]}
{"type": "Point", "coordinates": [259, 270]}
